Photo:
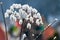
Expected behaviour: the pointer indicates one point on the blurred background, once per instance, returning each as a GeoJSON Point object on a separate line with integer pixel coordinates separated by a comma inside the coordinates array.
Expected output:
{"type": "Point", "coordinates": [49, 9]}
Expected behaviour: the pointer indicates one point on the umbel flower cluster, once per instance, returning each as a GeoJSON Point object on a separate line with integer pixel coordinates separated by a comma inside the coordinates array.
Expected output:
{"type": "Point", "coordinates": [26, 18]}
{"type": "Point", "coordinates": [20, 12]}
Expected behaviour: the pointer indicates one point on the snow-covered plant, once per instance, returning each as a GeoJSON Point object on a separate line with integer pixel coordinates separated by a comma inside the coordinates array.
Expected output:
{"type": "Point", "coordinates": [20, 12]}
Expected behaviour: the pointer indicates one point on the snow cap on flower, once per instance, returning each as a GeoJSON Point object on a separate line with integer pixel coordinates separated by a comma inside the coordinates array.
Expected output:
{"type": "Point", "coordinates": [39, 16]}
{"type": "Point", "coordinates": [25, 7]}
{"type": "Point", "coordinates": [19, 5]}
{"type": "Point", "coordinates": [20, 21]}
{"type": "Point", "coordinates": [28, 25]}
{"type": "Point", "coordinates": [29, 10]}
{"type": "Point", "coordinates": [31, 19]}
{"type": "Point", "coordinates": [6, 15]}
{"type": "Point", "coordinates": [16, 6]}
{"type": "Point", "coordinates": [23, 36]}
{"type": "Point", "coordinates": [26, 18]}
{"type": "Point", "coordinates": [12, 17]}
{"type": "Point", "coordinates": [16, 14]}
{"type": "Point", "coordinates": [34, 10]}
{"type": "Point", "coordinates": [35, 15]}
{"type": "Point", "coordinates": [20, 11]}
{"type": "Point", "coordinates": [8, 11]}
{"type": "Point", "coordinates": [37, 22]}
{"type": "Point", "coordinates": [11, 8]}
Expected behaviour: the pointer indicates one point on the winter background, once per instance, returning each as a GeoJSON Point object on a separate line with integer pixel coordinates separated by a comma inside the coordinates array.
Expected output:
{"type": "Point", "coordinates": [50, 9]}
